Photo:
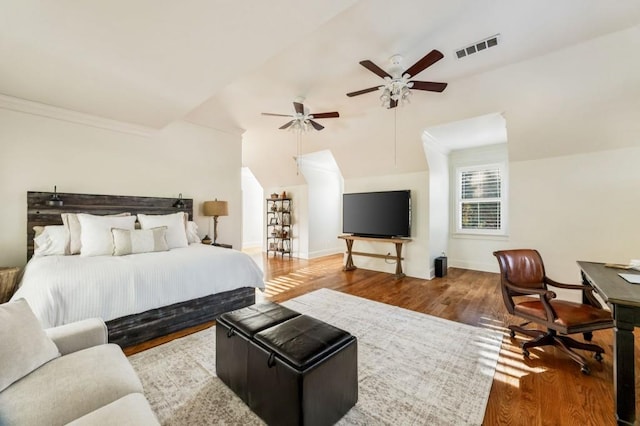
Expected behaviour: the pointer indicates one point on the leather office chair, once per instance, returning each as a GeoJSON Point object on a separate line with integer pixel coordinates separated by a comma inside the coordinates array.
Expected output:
{"type": "Point", "coordinates": [522, 274]}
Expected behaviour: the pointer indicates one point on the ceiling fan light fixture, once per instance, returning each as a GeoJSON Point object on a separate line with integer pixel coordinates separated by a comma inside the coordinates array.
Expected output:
{"type": "Point", "coordinates": [406, 94]}
{"type": "Point", "coordinates": [302, 121]}
{"type": "Point", "coordinates": [397, 83]}
{"type": "Point", "coordinates": [299, 125]}
{"type": "Point", "coordinates": [385, 98]}
{"type": "Point", "coordinates": [397, 89]}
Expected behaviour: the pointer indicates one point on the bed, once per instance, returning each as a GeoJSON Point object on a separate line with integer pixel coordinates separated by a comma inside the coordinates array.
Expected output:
{"type": "Point", "coordinates": [140, 296]}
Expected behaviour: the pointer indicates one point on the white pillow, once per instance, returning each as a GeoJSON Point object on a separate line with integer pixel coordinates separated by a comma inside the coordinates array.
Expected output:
{"type": "Point", "coordinates": [95, 232]}
{"type": "Point", "coordinates": [192, 233]}
{"type": "Point", "coordinates": [25, 346]}
{"type": "Point", "coordinates": [126, 241]}
{"type": "Point", "coordinates": [50, 240]}
{"type": "Point", "coordinates": [70, 221]}
{"type": "Point", "coordinates": [175, 223]}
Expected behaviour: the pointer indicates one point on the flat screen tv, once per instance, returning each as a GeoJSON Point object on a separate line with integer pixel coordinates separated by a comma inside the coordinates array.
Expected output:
{"type": "Point", "coordinates": [377, 214]}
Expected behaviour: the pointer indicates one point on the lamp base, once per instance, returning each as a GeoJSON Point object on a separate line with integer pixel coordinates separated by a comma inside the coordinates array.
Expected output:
{"type": "Point", "coordinates": [206, 240]}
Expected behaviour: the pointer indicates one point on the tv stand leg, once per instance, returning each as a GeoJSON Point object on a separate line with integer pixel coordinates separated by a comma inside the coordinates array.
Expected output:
{"type": "Point", "coordinates": [399, 274]}
{"type": "Point", "coordinates": [349, 266]}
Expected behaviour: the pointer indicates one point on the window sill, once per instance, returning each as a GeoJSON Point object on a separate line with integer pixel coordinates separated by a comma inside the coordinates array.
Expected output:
{"type": "Point", "coordinates": [488, 237]}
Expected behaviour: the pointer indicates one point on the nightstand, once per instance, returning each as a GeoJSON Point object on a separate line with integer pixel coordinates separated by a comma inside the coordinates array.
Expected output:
{"type": "Point", "coordinates": [228, 246]}
{"type": "Point", "coordinates": [8, 282]}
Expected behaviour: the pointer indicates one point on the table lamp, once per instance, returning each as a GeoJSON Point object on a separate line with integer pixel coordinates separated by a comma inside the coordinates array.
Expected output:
{"type": "Point", "coordinates": [215, 208]}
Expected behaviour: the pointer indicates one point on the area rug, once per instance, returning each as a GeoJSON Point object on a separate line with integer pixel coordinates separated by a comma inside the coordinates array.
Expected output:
{"type": "Point", "coordinates": [412, 368]}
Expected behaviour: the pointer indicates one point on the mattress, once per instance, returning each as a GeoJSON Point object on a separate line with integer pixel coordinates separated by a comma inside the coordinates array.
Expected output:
{"type": "Point", "coordinates": [64, 289]}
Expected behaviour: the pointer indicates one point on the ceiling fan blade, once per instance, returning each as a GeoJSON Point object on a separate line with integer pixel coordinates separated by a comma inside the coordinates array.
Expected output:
{"type": "Point", "coordinates": [286, 125]}
{"type": "Point", "coordinates": [276, 115]}
{"type": "Point", "coordinates": [299, 108]}
{"type": "Point", "coordinates": [316, 125]}
{"type": "Point", "coordinates": [363, 91]}
{"type": "Point", "coordinates": [393, 104]}
{"type": "Point", "coordinates": [326, 115]}
{"type": "Point", "coordinates": [429, 85]}
{"type": "Point", "coordinates": [428, 60]}
{"type": "Point", "coordinates": [375, 69]}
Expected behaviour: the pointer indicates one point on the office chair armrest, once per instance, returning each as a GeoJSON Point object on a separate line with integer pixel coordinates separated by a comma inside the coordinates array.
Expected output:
{"type": "Point", "coordinates": [545, 297]}
{"type": "Point", "coordinates": [525, 290]}
{"type": "Point", "coordinates": [587, 291]}
{"type": "Point", "coordinates": [551, 282]}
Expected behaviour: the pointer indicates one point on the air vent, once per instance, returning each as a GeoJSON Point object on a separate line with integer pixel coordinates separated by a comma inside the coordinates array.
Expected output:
{"type": "Point", "coordinates": [478, 46]}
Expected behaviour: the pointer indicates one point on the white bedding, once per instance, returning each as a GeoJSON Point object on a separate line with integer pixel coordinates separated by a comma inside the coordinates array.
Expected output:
{"type": "Point", "coordinates": [63, 289]}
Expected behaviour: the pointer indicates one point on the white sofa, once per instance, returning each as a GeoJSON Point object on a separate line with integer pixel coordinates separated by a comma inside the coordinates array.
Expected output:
{"type": "Point", "coordinates": [82, 381]}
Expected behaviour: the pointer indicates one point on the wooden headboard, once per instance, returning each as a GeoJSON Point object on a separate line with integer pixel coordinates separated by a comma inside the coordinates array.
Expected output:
{"type": "Point", "coordinates": [39, 213]}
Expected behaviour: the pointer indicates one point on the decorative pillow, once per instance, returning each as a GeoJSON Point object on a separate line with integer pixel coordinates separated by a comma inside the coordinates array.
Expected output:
{"type": "Point", "coordinates": [175, 223]}
{"type": "Point", "coordinates": [50, 240]}
{"type": "Point", "coordinates": [192, 233]}
{"type": "Point", "coordinates": [38, 230]}
{"type": "Point", "coordinates": [70, 221]}
{"type": "Point", "coordinates": [95, 236]}
{"type": "Point", "coordinates": [25, 346]}
{"type": "Point", "coordinates": [126, 241]}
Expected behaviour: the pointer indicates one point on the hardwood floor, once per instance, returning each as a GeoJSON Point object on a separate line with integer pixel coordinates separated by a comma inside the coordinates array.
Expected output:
{"type": "Point", "coordinates": [546, 389]}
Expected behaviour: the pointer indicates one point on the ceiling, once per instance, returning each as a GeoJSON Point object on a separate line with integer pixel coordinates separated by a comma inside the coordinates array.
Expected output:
{"type": "Point", "coordinates": [220, 63]}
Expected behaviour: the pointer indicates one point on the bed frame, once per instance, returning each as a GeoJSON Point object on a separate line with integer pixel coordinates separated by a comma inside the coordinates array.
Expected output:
{"type": "Point", "coordinates": [137, 328]}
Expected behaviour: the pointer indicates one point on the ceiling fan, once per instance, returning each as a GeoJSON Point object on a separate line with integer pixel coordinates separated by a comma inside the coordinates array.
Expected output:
{"type": "Point", "coordinates": [301, 119]}
{"type": "Point", "coordinates": [398, 83]}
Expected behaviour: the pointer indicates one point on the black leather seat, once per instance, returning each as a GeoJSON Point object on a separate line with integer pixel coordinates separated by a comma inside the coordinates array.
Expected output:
{"type": "Point", "coordinates": [233, 332]}
{"type": "Point", "coordinates": [300, 371]}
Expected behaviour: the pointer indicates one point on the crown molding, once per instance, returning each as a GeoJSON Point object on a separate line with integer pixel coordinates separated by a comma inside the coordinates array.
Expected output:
{"type": "Point", "coordinates": [231, 130]}
{"type": "Point", "coordinates": [36, 108]}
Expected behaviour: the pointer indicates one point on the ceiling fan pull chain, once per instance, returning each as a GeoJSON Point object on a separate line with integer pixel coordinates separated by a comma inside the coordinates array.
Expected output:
{"type": "Point", "coordinates": [298, 141]}
{"type": "Point", "coordinates": [395, 137]}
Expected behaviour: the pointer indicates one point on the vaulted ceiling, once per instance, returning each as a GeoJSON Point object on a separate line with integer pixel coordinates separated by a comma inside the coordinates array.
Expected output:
{"type": "Point", "coordinates": [564, 74]}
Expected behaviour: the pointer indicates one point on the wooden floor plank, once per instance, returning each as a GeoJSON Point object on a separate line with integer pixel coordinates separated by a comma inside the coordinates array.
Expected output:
{"type": "Point", "coordinates": [547, 389]}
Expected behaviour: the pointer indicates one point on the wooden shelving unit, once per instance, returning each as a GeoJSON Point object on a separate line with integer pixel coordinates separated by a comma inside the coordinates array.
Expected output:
{"type": "Point", "coordinates": [279, 222]}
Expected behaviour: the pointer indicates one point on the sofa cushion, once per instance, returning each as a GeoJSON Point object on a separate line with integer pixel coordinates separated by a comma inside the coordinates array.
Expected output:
{"type": "Point", "coordinates": [25, 346]}
{"type": "Point", "coordinates": [130, 410]}
{"type": "Point", "coordinates": [69, 387]}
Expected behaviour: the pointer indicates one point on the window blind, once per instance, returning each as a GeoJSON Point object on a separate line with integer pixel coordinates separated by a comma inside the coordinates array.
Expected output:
{"type": "Point", "coordinates": [481, 199]}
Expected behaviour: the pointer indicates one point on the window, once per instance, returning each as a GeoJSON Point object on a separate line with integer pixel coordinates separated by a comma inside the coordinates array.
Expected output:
{"type": "Point", "coordinates": [481, 199]}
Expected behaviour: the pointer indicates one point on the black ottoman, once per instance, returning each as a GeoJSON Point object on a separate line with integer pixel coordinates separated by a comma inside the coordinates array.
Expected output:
{"type": "Point", "coordinates": [234, 331]}
{"type": "Point", "coordinates": [302, 372]}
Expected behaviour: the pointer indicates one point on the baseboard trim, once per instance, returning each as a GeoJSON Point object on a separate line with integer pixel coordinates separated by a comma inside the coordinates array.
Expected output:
{"type": "Point", "coordinates": [325, 252]}
{"type": "Point", "coordinates": [474, 266]}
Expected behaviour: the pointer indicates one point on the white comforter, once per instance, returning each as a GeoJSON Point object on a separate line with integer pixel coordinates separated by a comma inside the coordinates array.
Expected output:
{"type": "Point", "coordinates": [63, 289]}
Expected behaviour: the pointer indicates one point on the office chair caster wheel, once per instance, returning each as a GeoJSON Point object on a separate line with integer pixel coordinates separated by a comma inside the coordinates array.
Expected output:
{"type": "Point", "coordinates": [512, 334]}
{"type": "Point", "coordinates": [525, 353]}
{"type": "Point", "coordinates": [598, 356]}
{"type": "Point", "coordinates": [585, 370]}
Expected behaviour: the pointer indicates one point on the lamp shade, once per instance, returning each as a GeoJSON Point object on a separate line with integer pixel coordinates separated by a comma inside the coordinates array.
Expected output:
{"type": "Point", "coordinates": [216, 208]}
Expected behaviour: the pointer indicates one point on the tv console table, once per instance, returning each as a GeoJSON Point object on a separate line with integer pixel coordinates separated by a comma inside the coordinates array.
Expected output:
{"type": "Point", "coordinates": [349, 239]}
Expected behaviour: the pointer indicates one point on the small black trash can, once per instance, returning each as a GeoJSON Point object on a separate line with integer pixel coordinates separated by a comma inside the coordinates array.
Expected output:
{"type": "Point", "coordinates": [441, 266]}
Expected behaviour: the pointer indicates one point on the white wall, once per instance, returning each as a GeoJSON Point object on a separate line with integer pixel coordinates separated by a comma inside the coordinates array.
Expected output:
{"type": "Point", "coordinates": [37, 153]}
{"type": "Point", "coordinates": [416, 252]}
{"type": "Point", "coordinates": [475, 251]}
{"type": "Point", "coordinates": [578, 207]}
{"type": "Point", "coordinates": [325, 187]}
{"type": "Point", "coordinates": [252, 210]}
{"type": "Point", "coordinates": [438, 201]}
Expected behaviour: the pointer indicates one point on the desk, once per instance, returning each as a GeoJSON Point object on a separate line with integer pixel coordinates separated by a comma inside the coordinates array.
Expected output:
{"type": "Point", "coordinates": [624, 300]}
{"type": "Point", "coordinates": [349, 239]}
